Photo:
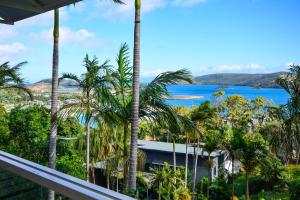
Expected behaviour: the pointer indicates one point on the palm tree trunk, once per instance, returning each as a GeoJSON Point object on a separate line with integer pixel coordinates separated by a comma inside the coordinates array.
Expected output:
{"type": "Point", "coordinates": [107, 181]}
{"type": "Point", "coordinates": [87, 140]}
{"type": "Point", "coordinates": [247, 197]}
{"type": "Point", "coordinates": [209, 176]}
{"type": "Point", "coordinates": [174, 156]}
{"type": "Point", "coordinates": [186, 161]}
{"type": "Point", "coordinates": [54, 96]}
{"type": "Point", "coordinates": [232, 174]}
{"type": "Point", "coordinates": [135, 99]}
{"type": "Point", "coordinates": [195, 170]}
{"type": "Point", "coordinates": [125, 156]}
{"type": "Point", "coordinates": [93, 172]}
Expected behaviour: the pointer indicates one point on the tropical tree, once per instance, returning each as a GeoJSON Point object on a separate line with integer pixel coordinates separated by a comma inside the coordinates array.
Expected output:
{"type": "Point", "coordinates": [54, 97]}
{"type": "Point", "coordinates": [92, 82]}
{"type": "Point", "coordinates": [212, 142]}
{"type": "Point", "coordinates": [290, 82]}
{"type": "Point", "coordinates": [232, 143]}
{"type": "Point", "coordinates": [203, 116]}
{"type": "Point", "coordinates": [252, 150]}
{"type": "Point", "coordinates": [169, 184]}
{"type": "Point", "coordinates": [135, 98]}
{"type": "Point", "coordinates": [29, 133]}
{"type": "Point", "coordinates": [10, 78]}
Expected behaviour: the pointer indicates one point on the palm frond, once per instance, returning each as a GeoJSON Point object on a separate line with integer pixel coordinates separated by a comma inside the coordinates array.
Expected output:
{"type": "Point", "coordinates": [21, 88]}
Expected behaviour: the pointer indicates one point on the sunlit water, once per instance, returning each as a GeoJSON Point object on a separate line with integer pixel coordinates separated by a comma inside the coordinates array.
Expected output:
{"type": "Point", "coordinates": [278, 96]}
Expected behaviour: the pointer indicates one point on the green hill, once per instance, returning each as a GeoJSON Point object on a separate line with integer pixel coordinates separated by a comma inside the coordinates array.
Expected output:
{"type": "Point", "coordinates": [252, 80]}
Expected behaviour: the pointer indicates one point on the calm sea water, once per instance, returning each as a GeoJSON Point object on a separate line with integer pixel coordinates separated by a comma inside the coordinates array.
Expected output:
{"type": "Point", "coordinates": [278, 96]}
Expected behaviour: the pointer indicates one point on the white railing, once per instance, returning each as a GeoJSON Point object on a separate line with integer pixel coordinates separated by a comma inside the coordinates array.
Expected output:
{"type": "Point", "coordinates": [61, 183]}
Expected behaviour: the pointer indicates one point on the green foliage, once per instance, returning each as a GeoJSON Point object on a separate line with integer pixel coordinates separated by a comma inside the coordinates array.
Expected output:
{"type": "Point", "coordinates": [10, 78]}
{"type": "Point", "coordinates": [69, 127]}
{"type": "Point", "coordinates": [294, 189]}
{"type": "Point", "coordinates": [29, 129]}
{"type": "Point", "coordinates": [4, 129]}
{"type": "Point", "coordinates": [201, 189]}
{"type": "Point", "coordinates": [203, 112]}
{"type": "Point", "coordinates": [72, 165]}
{"type": "Point", "coordinates": [169, 184]}
{"type": "Point", "coordinates": [252, 150]}
{"type": "Point", "coordinates": [220, 190]}
{"type": "Point", "coordinates": [272, 171]}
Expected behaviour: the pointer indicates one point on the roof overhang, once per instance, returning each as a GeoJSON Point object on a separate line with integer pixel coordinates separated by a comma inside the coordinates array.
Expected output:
{"type": "Point", "coordinates": [12, 11]}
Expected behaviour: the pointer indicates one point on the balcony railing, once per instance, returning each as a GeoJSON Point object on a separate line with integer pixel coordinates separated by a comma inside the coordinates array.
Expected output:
{"type": "Point", "coordinates": [23, 179]}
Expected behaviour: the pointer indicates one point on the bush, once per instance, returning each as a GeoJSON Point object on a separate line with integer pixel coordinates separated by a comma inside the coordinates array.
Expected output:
{"type": "Point", "coordinates": [294, 189]}
{"type": "Point", "coordinates": [293, 172]}
{"type": "Point", "coordinates": [220, 190]}
{"type": "Point", "coordinates": [72, 165]}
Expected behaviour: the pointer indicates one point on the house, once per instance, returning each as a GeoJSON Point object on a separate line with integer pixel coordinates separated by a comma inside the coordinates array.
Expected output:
{"type": "Point", "coordinates": [157, 153]}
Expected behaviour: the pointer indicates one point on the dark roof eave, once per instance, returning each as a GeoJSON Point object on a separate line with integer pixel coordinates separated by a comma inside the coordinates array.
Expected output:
{"type": "Point", "coordinates": [18, 10]}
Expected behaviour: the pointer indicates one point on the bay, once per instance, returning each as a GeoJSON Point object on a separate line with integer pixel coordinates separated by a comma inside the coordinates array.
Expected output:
{"type": "Point", "coordinates": [278, 96]}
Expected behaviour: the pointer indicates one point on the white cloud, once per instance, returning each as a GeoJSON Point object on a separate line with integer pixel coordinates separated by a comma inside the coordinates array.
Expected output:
{"type": "Point", "coordinates": [11, 49]}
{"type": "Point", "coordinates": [7, 32]}
{"type": "Point", "coordinates": [11, 52]}
{"type": "Point", "coordinates": [187, 2]}
{"type": "Point", "coordinates": [67, 35]}
{"type": "Point", "coordinates": [242, 68]}
{"type": "Point", "coordinates": [152, 73]}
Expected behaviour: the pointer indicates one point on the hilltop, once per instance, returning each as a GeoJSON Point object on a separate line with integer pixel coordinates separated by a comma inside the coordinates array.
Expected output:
{"type": "Point", "coordinates": [252, 80]}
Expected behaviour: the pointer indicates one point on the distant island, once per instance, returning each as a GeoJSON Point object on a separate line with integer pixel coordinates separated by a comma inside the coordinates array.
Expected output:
{"type": "Point", "coordinates": [222, 79]}
{"type": "Point", "coordinates": [239, 79]}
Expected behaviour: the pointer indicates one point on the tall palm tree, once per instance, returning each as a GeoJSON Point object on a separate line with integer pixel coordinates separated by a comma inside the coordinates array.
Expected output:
{"type": "Point", "coordinates": [212, 142]}
{"type": "Point", "coordinates": [96, 78]}
{"type": "Point", "coordinates": [54, 96]}
{"type": "Point", "coordinates": [290, 82]}
{"type": "Point", "coordinates": [152, 97]}
{"type": "Point", "coordinates": [10, 78]}
{"type": "Point", "coordinates": [135, 98]}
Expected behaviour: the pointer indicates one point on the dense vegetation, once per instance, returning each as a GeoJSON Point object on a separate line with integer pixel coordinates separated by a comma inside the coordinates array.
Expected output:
{"type": "Point", "coordinates": [252, 80]}
{"type": "Point", "coordinates": [95, 127]}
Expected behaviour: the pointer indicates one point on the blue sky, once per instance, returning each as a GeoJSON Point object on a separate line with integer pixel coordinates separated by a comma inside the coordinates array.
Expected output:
{"type": "Point", "coordinates": [205, 36]}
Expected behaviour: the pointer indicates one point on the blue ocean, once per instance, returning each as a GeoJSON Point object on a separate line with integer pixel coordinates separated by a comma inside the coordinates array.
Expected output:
{"type": "Point", "coordinates": [278, 96]}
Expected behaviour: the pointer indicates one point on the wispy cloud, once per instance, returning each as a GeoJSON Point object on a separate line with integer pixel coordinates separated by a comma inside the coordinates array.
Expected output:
{"type": "Point", "coordinates": [241, 68]}
{"type": "Point", "coordinates": [67, 35]}
{"type": "Point", "coordinates": [7, 32]}
{"type": "Point", "coordinates": [7, 51]}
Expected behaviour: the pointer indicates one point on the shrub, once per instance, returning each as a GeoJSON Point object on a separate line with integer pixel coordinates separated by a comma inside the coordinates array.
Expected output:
{"type": "Point", "coordinates": [294, 189]}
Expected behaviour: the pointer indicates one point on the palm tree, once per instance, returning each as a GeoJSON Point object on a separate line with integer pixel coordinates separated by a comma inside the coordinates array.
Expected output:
{"type": "Point", "coordinates": [152, 105]}
{"type": "Point", "coordinates": [252, 150]}
{"type": "Point", "coordinates": [54, 96]}
{"type": "Point", "coordinates": [10, 78]}
{"type": "Point", "coordinates": [96, 79]}
{"type": "Point", "coordinates": [135, 98]}
{"type": "Point", "coordinates": [232, 144]}
{"type": "Point", "coordinates": [290, 82]}
{"type": "Point", "coordinates": [212, 142]}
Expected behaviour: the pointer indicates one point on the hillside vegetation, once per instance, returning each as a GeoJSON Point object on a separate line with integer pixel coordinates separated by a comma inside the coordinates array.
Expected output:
{"type": "Point", "coordinates": [252, 80]}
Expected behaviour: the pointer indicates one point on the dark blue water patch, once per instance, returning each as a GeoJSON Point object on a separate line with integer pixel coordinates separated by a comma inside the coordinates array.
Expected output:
{"type": "Point", "coordinates": [278, 96]}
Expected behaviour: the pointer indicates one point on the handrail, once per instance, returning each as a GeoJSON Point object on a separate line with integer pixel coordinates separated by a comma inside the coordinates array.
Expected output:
{"type": "Point", "coordinates": [64, 184]}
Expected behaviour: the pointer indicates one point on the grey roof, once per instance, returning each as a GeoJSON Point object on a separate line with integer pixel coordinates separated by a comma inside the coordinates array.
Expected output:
{"type": "Point", "coordinates": [15, 10]}
{"type": "Point", "coordinates": [168, 147]}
